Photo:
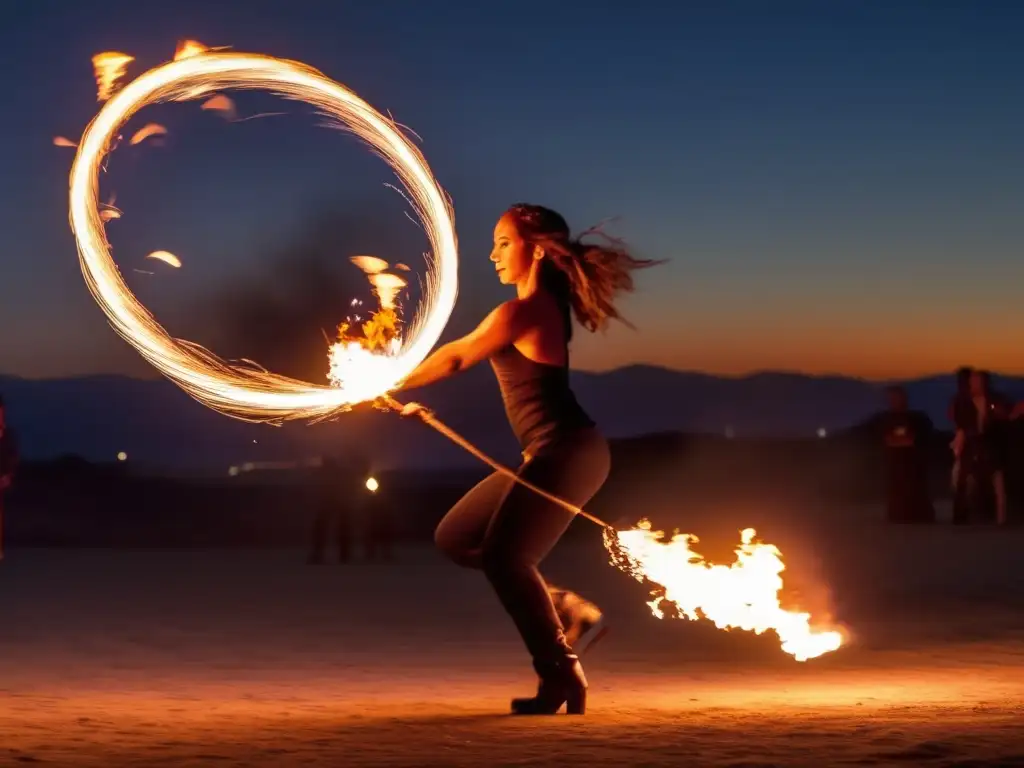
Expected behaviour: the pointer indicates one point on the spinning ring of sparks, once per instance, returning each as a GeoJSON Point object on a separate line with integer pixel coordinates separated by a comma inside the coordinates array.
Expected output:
{"type": "Point", "coordinates": [244, 390]}
{"type": "Point", "coordinates": [743, 595]}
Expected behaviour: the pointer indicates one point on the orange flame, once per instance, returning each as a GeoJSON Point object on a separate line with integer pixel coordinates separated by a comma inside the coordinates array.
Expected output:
{"type": "Point", "coordinates": [187, 48]}
{"type": "Point", "coordinates": [109, 67]}
{"type": "Point", "coordinates": [743, 595]}
{"type": "Point", "coordinates": [166, 257]}
{"type": "Point", "coordinates": [371, 265]}
{"type": "Point", "coordinates": [381, 339]}
{"type": "Point", "coordinates": [150, 129]}
{"type": "Point", "coordinates": [220, 103]}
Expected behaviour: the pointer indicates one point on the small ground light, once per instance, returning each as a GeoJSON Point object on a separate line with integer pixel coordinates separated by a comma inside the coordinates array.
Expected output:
{"type": "Point", "coordinates": [372, 485]}
{"type": "Point", "coordinates": [122, 456]}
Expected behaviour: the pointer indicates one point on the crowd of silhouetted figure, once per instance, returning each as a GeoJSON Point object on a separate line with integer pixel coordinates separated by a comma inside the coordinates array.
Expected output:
{"type": "Point", "coordinates": [986, 478]}
{"type": "Point", "coordinates": [350, 508]}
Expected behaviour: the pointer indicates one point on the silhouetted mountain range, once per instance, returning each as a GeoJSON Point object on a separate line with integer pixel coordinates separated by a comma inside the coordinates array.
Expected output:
{"type": "Point", "coordinates": [158, 425]}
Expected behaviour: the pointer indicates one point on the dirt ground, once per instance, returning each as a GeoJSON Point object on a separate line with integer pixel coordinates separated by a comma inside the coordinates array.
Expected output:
{"type": "Point", "coordinates": [256, 659]}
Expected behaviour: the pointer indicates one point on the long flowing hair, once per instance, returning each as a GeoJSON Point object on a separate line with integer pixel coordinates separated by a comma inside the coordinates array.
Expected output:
{"type": "Point", "coordinates": [586, 276]}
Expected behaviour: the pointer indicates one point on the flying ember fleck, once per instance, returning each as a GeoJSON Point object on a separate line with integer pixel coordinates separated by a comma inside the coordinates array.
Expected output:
{"type": "Point", "coordinates": [150, 129]}
{"type": "Point", "coordinates": [166, 257]}
{"type": "Point", "coordinates": [220, 103]}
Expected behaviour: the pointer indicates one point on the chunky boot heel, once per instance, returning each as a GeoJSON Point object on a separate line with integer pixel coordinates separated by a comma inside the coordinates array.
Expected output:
{"type": "Point", "coordinates": [562, 682]}
{"type": "Point", "coordinates": [576, 704]}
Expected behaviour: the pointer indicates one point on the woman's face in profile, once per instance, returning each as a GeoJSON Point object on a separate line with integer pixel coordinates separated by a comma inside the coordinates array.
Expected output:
{"type": "Point", "coordinates": [512, 256]}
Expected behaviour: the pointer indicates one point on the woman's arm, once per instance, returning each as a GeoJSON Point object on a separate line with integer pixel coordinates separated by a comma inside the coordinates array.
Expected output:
{"type": "Point", "coordinates": [501, 327]}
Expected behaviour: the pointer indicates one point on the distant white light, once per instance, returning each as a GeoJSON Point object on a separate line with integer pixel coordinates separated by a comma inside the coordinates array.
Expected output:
{"type": "Point", "coordinates": [372, 485]}
{"type": "Point", "coordinates": [122, 456]}
{"type": "Point", "coordinates": [822, 432]}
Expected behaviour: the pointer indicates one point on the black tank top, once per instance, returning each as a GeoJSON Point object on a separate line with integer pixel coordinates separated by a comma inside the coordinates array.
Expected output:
{"type": "Point", "coordinates": [538, 401]}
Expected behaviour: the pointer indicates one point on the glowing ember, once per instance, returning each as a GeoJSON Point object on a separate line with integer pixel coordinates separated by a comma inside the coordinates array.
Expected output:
{"type": "Point", "coordinates": [109, 67]}
{"type": "Point", "coordinates": [743, 595]}
{"type": "Point", "coordinates": [244, 390]}
{"type": "Point", "coordinates": [150, 129]}
{"type": "Point", "coordinates": [371, 265]}
{"type": "Point", "coordinates": [188, 48]}
{"type": "Point", "coordinates": [166, 257]}
{"type": "Point", "coordinates": [220, 103]}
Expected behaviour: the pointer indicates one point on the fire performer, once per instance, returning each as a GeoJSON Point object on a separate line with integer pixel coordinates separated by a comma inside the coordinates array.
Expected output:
{"type": "Point", "coordinates": [500, 527]}
{"type": "Point", "coordinates": [8, 463]}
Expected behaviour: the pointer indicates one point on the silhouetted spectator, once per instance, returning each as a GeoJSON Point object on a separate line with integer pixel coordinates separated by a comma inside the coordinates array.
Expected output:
{"type": "Point", "coordinates": [1015, 462]}
{"type": "Point", "coordinates": [8, 464]}
{"type": "Point", "coordinates": [983, 421]}
{"type": "Point", "coordinates": [333, 510]}
{"type": "Point", "coordinates": [906, 435]}
{"type": "Point", "coordinates": [961, 415]}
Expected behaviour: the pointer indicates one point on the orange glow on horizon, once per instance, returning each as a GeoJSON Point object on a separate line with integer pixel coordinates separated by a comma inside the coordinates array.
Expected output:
{"type": "Point", "coordinates": [868, 352]}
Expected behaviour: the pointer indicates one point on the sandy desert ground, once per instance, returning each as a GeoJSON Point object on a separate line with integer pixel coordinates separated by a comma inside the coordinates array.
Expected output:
{"type": "Point", "coordinates": [164, 658]}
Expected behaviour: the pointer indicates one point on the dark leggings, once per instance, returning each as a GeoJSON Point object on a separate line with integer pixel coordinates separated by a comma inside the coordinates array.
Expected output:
{"type": "Point", "coordinates": [506, 530]}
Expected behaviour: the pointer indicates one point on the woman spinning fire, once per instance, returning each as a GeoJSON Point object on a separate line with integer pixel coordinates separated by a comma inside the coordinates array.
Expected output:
{"type": "Point", "coordinates": [500, 527]}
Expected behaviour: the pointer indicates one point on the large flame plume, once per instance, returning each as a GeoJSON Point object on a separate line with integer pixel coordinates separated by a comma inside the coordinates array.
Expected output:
{"type": "Point", "coordinates": [743, 595]}
{"type": "Point", "coordinates": [381, 333]}
{"type": "Point", "coordinates": [242, 389]}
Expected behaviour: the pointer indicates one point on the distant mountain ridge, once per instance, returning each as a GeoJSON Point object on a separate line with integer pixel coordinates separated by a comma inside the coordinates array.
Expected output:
{"type": "Point", "coordinates": [159, 425]}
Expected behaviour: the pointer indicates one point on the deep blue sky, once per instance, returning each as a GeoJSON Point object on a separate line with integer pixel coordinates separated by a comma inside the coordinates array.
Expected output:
{"type": "Point", "coordinates": [838, 184]}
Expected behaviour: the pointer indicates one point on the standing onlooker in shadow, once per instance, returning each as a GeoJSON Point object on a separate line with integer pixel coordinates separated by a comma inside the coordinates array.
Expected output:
{"type": "Point", "coordinates": [8, 463]}
{"type": "Point", "coordinates": [961, 415]}
{"type": "Point", "coordinates": [982, 420]}
{"type": "Point", "coordinates": [1015, 462]}
{"type": "Point", "coordinates": [333, 510]}
{"type": "Point", "coordinates": [906, 435]}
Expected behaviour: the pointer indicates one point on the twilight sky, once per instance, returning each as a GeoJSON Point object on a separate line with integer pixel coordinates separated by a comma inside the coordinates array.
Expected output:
{"type": "Point", "coordinates": [838, 184]}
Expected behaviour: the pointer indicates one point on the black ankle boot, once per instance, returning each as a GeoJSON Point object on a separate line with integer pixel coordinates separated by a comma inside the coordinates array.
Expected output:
{"type": "Point", "coordinates": [561, 682]}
